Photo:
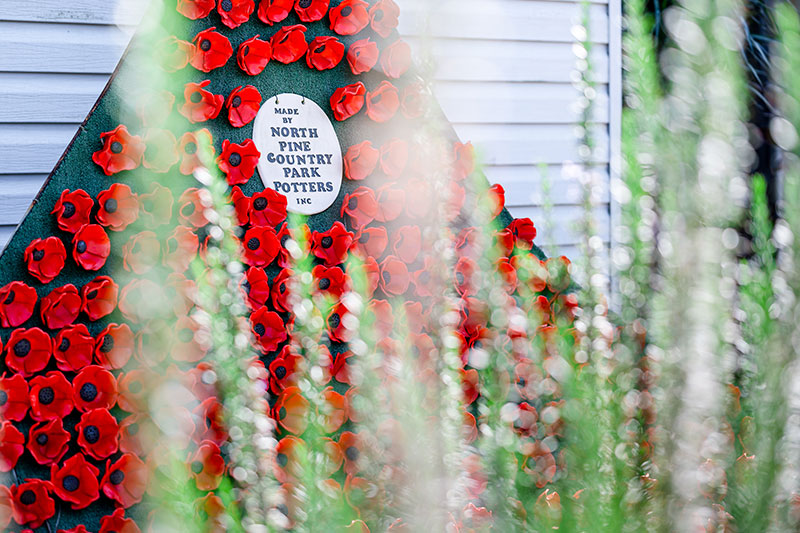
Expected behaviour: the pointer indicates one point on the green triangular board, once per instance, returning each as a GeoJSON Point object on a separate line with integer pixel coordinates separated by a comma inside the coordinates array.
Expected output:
{"type": "Point", "coordinates": [77, 171]}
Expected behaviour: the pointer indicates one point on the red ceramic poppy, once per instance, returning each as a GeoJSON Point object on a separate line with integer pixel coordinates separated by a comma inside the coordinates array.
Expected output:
{"type": "Point", "coordinates": [156, 206]}
{"type": "Point", "coordinates": [60, 308]}
{"type": "Point", "coordinates": [349, 17]}
{"type": "Point", "coordinates": [196, 9]}
{"type": "Point", "coordinates": [73, 348]}
{"type": "Point", "coordinates": [99, 297]}
{"type": "Point", "coordinates": [396, 59]}
{"type": "Point", "coordinates": [210, 423]}
{"type": "Point", "coordinates": [496, 200]}
{"type": "Point", "coordinates": [371, 272]}
{"type": "Point", "coordinates": [243, 105]}
{"type": "Point", "coordinates": [507, 273]}
{"type": "Point", "coordinates": [181, 248]}
{"type": "Point", "coordinates": [268, 328]}
{"type": "Point", "coordinates": [207, 466]}
{"type": "Point", "coordinates": [154, 106]}
{"type": "Point", "coordinates": [32, 504]}
{"type": "Point", "coordinates": [463, 160]}
{"type": "Point", "coordinates": [362, 56]}
{"type": "Point", "coordinates": [290, 411]}
{"type": "Point", "coordinates": [347, 101]}
{"type": "Point", "coordinates": [331, 281]}
{"type": "Point", "coordinates": [371, 242]}
{"type": "Point", "coordinates": [271, 11]}
{"type": "Point", "coordinates": [464, 274]}
{"type": "Point", "coordinates": [137, 434]}
{"type": "Point", "coordinates": [211, 50]}
{"type": "Point", "coordinates": [504, 242]}
{"type": "Point", "coordinates": [394, 276]}
{"type": "Point", "coordinates": [360, 207]}
{"type": "Point", "coordinates": [93, 388]}
{"type": "Point", "coordinates": [121, 151]}
{"type": "Point", "coordinates": [200, 105]}
{"type": "Point", "coordinates": [383, 102]}
{"type": "Point", "coordinates": [261, 246]}
{"type": "Point", "coordinates": [360, 160]}
{"type": "Point", "coordinates": [28, 351]}
{"type": "Point", "coordinates": [391, 202]}
{"type": "Point", "coordinates": [311, 10]}
{"type": "Point", "coordinates": [337, 332]}
{"type": "Point", "coordinates": [280, 293]}
{"type": "Point", "coordinates": [414, 100]}
{"type": "Point", "coordinates": [234, 13]}
{"type": "Point", "coordinates": [141, 252]}
{"type": "Point", "coordinates": [558, 273]}
{"type": "Point", "coordinates": [383, 17]}
{"type": "Point", "coordinates": [161, 153]}
{"type": "Point", "coordinates": [13, 397]}
{"type": "Point", "coordinates": [193, 145]}
{"type": "Point", "coordinates": [241, 205]}
{"type": "Point", "coordinates": [48, 441]}
{"type": "Point", "coordinates": [192, 208]}
{"type": "Point", "coordinates": [91, 247]}
{"type": "Point", "coordinates": [238, 161]}
{"type": "Point", "coordinates": [289, 44]}
{"type": "Point", "coordinates": [98, 433]}
{"type": "Point", "coordinates": [50, 396]}
{"type": "Point", "coordinates": [117, 523]}
{"type": "Point", "coordinates": [12, 446]}
{"type": "Point", "coordinates": [76, 481]}
{"type": "Point", "coordinates": [324, 53]}
{"type": "Point", "coordinates": [186, 346]}
{"type": "Point", "coordinates": [267, 208]}
{"type": "Point", "coordinates": [132, 394]}
{"type": "Point", "coordinates": [45, 258]}
{"type": "Point", "coordinates": [282, 371]}
{"type": "Point", "coordinates": [73, 210]}
{"type": "Point", "coordinates": [332, 246]}
{"type": "Point", "coordinates": [174, 54]}
{"type": "Point", "coordinates": [381, 316]}
{"type": "Point", "coordinates": [125, 480]}
{"type": "Point", "coordinates": [114, 346]}
{"type": "Point", "coordinates": [523, 231]}
{"type": "Point", "coordinates": [17, 301]}
{"type": "Point", "coordinates": [340, 368]}
{"type": "Point", "coordinates": [256, 287]}
{"type": "Point", "coordinates": [254, 55]}
{"type": "Point", "coordinates": [407, 243]}
{"type": "Point", "coordinates": [287, 453]}
{"type": "Point", "coordinates": [455, 201]}
{"type": "Point", "coordinates": [394, 157]}
{"type": "Point", "coordinates": [333, 413]}
{"type": "Point", "coordinates": [351, 446]}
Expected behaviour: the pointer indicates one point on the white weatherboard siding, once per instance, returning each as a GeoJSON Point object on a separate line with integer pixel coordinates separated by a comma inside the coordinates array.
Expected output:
{"type": "Point", "coordinates": [504, 70]}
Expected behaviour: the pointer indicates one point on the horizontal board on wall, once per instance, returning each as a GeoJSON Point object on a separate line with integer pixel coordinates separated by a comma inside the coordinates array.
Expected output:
{"type": "Point", "coordinates": [48, 98]}
{"type": "Point", "coordinates": [127, 12]}
{"type": "Point", "coordinates": [525, 185]}
{"type": "Point", "coordinates": [33, 148]}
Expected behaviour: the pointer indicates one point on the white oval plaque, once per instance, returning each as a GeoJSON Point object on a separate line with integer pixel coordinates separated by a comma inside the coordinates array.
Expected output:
{"type": "Point", "coordinates": [300, 154]}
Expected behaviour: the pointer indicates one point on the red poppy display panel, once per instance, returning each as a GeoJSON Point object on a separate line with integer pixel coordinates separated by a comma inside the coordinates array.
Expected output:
{"type": "Point", "coordinates": [77, 423]}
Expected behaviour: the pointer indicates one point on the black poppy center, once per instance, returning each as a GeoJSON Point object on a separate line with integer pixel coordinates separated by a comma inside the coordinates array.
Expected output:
{"type": "Point", "coordinates": [246, 50]}
{"type": "Point", "coordinates": [205, 45]}
{"type": "Point", "coordinates": [352, 453]}
{"type": "Point", "coordinates": [42, 439]}
{"type": "Point", "coordinates": [196, 97]}
{"type": "Point", "coordinates": [10, 298]}
{"type": "Point", "coordinates": [46, 395]}
{"type": "Point", "coordinates": [38, 255]}
{"type": "Point", "coordinates": [133, 429]}
{"type": "Point", "coordinates": [108, 344]}
{"type": "Point", "coordinates": [334, 320]}
{"type": "Point", "coordinates": [324, 284]}
{"type": "Point", "coordinates": [246, 287]}
{"type": "Point", "coordinates": [282, 459]}
{"type": "Point", "coordinates": [197, 467]}
{"type": "Point", "coordinates": [282, 413]}
{"type": "Point", "coordinates": [364, 239]}
{"type": "Point", "coordinates": [260, 329]}
{"type": "Point", "coordinates": [88, 392]}
{"type": "Point", "coordinates": [71, 483]}
{"type": "Point", "coordinates": [424, 277]}
{"type": "Point", "coordinates": [253, 244]}
{"type": "Point", "coordinates": [226, 5]}
{"type": "Point", "coordinates": [378, 16]}
{"type": "Point", "coordinates": [92, 294]}
{"type": "Point", "coordinates": [376, 99]}
{"type": "Point", "coordinates": [91, 434]}
{"type": "Point", "coordinates": [387, 278]}
{"type": "Point", "coordinates": [110, 206]}
{"type": "Point", "coordinates": [186, 335]}
{"type": "Point", "coordinates": [64, 346]}
{"type": "Point", "coordinates": [190, 147]}
{"type": "Point", "coordinates": [352, 204]}
{"type": "Point", "coordinates": [81, 247]}
{"type": "Point", "coordinates": [459, 278]}
{"type": "Point", "coordinates": [68, 210]}
{"type": "Point", "coordinates": [236, 102]}
{"type": "Point", "coordinates": [259, 204]}
{"type": "Point", "coordinates": [22, 348]}
{"type": "Point", "coordinates": [304, 3]}
{"type": "Point", "coordinates": [346, 10]}
{"type": "Point", "coordinates": [116, 147]}
{"type": "Point", "coordinates": [3, 398]}
{"type": "Point", "coordinates": [235, 159]}
{"type": "Point", "coordinates": [27, 498]}
{"type": "Point", "coordinates": [280, 372]}
{"type": "Point", "coordinates": [326, 242]}
{"type": "Point", "coordinates": [116, 477]}
{"type": "Point", "coordinates": [135, 387]}
{"type": "Point", "coordinates": [320, 49]}
{"type": "Point", "coordinates": [283, 240]}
